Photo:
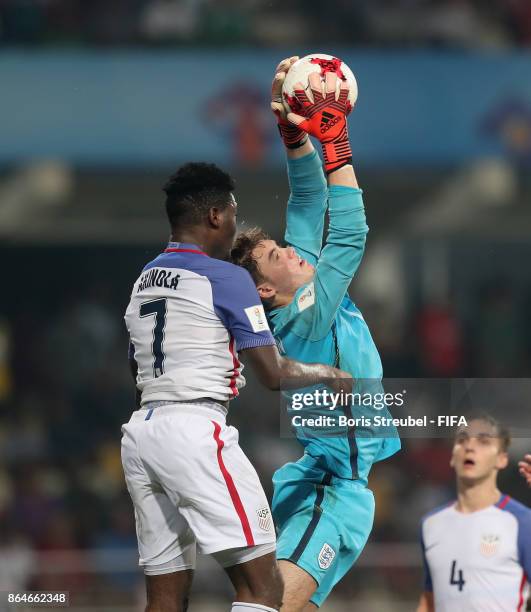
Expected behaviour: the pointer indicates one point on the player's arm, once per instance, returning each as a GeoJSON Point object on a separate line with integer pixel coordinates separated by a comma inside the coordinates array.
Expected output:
{"type": "Point", "coordinates": [343, 251]}
{"type": "Point", "coordinates": [237, 303]}
{"type": "Point", "coordinates": [344, 248]}
{"type": "Point", "coordinates": [524, 468]}
{"type": "Point", "coordinates": [524, 539]}
{"type": "Point", "coordinates": [426, 602]}
{"type": "Point", "coordinates": [308, 189]}
{"type": "Point", "coordinates": [274, 371]}
{"type": "Point", "coordinates": [133, 367]}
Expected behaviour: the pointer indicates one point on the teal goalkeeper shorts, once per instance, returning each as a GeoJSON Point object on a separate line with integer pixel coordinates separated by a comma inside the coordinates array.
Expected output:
{"type": "Point", "coordinates": [323, 522]}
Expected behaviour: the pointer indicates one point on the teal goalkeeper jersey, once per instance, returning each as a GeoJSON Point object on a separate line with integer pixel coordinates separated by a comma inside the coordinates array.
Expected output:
{"type": "Point", "coordinates": [322, 324]}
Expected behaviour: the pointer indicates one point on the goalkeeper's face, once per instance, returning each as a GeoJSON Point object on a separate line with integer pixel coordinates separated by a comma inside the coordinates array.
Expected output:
{"type": "Point", "coordinates": [283, 271]}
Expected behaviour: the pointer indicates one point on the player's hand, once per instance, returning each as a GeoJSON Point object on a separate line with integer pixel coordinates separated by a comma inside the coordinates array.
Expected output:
{"type": "Point", "coordinates": [292, 136]}
{"type": "Point", "coordinates": [524, 467]}
{"type": "Point", "coordinates": [343, 384]}
{"type": "Point", "coordinates": [325, 117]}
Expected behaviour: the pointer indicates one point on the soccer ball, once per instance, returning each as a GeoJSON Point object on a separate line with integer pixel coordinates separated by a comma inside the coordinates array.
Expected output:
{"type": "Point", "coordinates": [320, 63]}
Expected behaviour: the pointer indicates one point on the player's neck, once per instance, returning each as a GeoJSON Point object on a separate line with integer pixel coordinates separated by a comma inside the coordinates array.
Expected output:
{"type": "Point", "coordinates": [196, 237]}
{"type": "Point", "coordinates": [472, 497]}
{"type": "Point", "coordinates": [282, 300]}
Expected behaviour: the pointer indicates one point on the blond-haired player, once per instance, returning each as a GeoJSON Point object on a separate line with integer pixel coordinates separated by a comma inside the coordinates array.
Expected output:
{"type": "Point", "coordinates": [477, 549]}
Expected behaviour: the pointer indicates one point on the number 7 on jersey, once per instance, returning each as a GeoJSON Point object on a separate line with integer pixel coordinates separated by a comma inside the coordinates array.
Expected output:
{"type": "Point", "coordinates": [158, 309]}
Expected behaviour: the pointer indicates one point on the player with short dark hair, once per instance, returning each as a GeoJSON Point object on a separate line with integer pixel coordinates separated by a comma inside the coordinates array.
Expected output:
{"type": "Point", "coordinates": [195, 188]}
{"type": "Point", "coordinates": [322, 506]}
{"type": "Point", "coordinates": [190, 317]}
{"type": "Point", "coordinates": [477, 549]}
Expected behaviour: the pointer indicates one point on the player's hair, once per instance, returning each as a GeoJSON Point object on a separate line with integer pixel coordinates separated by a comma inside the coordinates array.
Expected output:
{"type": "Point", "coordinates": [193, 190]}
{"type": "Point", "coordinates": [242, 254]}
{"type": "Point", "coordinates": [502, 432]}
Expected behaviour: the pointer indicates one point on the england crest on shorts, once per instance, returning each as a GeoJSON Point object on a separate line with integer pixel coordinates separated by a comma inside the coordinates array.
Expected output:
{"type": "Point", "coordinates": [326, 556]}
{"type": "Point", "coordinates": [264, 519]}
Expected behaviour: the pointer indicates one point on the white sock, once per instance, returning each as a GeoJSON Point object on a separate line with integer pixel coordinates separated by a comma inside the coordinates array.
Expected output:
{"type": "Point", "coordinates": [241, 606]}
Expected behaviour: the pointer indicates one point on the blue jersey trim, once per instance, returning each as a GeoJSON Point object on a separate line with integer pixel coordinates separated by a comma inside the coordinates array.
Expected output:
{"type": "Point", "coordinates": [503, 501]}
{"type": "Point", "coordinates": [523, 516]}
{"type": "Point", "coordinates": [247, 344]}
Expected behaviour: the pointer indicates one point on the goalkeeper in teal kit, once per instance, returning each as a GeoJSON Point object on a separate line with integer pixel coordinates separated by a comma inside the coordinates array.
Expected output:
{"type": "Point", "coordinates": [322, 507]}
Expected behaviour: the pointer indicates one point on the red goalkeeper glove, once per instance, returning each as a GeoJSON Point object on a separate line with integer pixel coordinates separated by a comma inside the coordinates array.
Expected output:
{"type": "Point", "coordinates": [326, 119]}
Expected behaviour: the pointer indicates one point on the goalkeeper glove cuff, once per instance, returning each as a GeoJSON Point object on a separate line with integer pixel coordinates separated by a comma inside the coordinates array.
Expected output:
{"type": "Point", "coordinates": [292, 136]}
{"type": "Point", "coordinates": [336, 154]}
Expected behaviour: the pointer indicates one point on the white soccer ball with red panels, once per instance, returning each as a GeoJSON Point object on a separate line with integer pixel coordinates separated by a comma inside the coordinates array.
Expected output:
{"type": "Point", "coordinates": [321, 64]}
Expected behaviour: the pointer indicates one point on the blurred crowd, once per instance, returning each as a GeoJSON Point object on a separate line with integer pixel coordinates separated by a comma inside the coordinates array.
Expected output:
{"type": "Point", "coordinates": [439, 23]}
{"type": "Point", "coordinates": [64, 393]}
{"type": "Point", "coordinates": [65, 389]}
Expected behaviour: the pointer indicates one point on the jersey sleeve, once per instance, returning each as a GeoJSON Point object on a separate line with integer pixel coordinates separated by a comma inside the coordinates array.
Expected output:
{"type": "Point", "coordinates": [306, 206]}
{"type": "Point", "coordinates": [338, 262]}
{"type": "Point", "coordinates": [524, 543]}
{"type": "Point", "coordinates": [523, 517]}
{"type": "Point", "coordinates": [428, 585]}
{"type": "Point", "coordinates": [238, 305]}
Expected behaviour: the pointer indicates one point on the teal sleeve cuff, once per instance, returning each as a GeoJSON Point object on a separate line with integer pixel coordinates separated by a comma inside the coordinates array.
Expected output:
{"type": "Point", "coordinates": [345, 206]}
{"type": "Point", "coordinates": [342, 199]}
{"type": "Point", "coordinates": [343, 190]}
{"type": "Point", "coordinates": [306, 173]}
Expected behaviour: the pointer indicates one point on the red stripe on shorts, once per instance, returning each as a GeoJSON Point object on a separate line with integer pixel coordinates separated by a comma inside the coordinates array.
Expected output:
{"type": "Point", "coordinates": [233, 492]}
{"type": "Point", "coordinates": [521, 593]}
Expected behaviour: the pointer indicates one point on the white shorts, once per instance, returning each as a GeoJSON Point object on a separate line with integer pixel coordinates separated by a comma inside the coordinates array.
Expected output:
{"type": "Point", "coordinates": [191, 484]}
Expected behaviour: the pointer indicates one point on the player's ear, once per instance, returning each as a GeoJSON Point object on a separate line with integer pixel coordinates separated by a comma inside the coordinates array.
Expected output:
{"type": "Point", "coordinates": [265, 291]}
{"type": "Point", "coordinates": [215, 217]}
{"type": "Point", "coordinates": [503, 460]}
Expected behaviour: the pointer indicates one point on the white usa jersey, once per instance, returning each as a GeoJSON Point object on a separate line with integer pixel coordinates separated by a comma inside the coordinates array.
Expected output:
{"type": "Point", "coordinates": [188, 317]}
{"type": "Point", "coordinates": [479, 561]}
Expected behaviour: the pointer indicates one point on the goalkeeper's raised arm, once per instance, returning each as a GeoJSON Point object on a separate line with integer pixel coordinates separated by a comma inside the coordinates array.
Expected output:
{"type": "Point", "coordinates": [308, 187]}
{"type": "Point", "coordinates": [338, 261]}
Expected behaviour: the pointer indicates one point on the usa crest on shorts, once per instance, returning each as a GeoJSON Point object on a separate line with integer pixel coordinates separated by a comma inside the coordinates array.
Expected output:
{"type": "Point", "coordinates": [264, 519]}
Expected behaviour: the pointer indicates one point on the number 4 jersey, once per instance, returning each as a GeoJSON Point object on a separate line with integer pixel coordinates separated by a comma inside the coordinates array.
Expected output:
{"type": "Point", "coordinates": [479, 561]}
{"type": "Point", "coordinates": [188, 317]}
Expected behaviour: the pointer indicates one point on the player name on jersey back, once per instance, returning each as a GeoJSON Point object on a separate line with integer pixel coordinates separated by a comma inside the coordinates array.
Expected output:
{"type": "Point", "coordinates": [188, 316]}
{"type": "Point", "coordinates": [158, 277]}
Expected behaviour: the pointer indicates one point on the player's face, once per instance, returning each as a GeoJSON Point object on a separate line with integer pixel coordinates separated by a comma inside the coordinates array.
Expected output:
{"type": "Point", "coordinates": [476, 454]}
{"type": "Point", "coordinates": [284, 270]}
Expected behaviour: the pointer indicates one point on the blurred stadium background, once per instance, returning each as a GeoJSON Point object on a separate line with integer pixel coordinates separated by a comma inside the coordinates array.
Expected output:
{"type": "Point", "coordinates": [100, 101]}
